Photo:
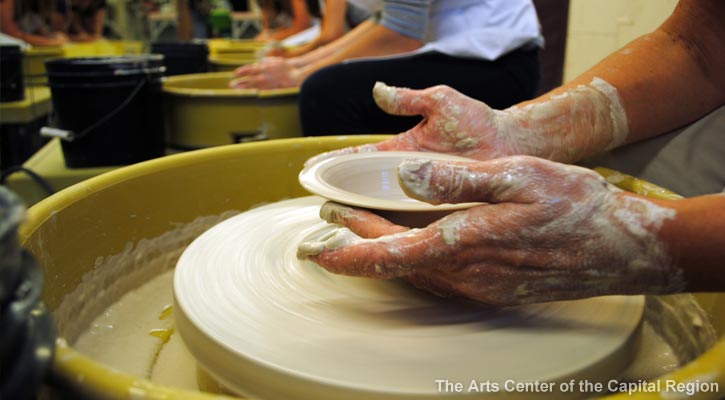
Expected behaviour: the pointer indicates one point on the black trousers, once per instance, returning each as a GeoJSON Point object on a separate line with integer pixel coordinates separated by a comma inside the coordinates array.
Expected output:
{"type": "Point", "coordinates": [338, 99]}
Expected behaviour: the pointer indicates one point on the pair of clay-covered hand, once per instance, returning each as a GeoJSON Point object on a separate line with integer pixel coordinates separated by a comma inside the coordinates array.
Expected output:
{"type": "Point", "coordinates": [547, 231]}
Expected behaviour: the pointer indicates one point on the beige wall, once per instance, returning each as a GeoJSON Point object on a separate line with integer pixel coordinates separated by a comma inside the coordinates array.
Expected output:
{"type": "Point", "coordinates": [599, 27]}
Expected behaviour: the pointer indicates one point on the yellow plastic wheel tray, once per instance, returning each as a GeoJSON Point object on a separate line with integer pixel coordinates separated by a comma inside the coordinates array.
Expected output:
{"type": "Point", "coordinates": [34, 60]}
{"type": "Point", "coordinates": [202, 111]}
{"type": "Point", "coordinates": [35, 104]}
{"type": "Point", "coordinates": [35, 57]}
{"type": "Point", "coordinates": [97, 218]}
{"type": "Point", "coordinates": [234, 46]}
{"type": "Point", "coordinates": [226, 64]}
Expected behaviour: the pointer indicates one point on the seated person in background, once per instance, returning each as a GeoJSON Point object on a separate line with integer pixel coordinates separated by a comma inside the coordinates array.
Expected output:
{"type": "Point", "coordinates": [487, 49]}
{"type": "Point", "coordinates": [193, 19]}
{"type": "Point", "coordinates": [284, 18]}
{"type": "Point", "coordinates": [83, 22]}
{"type": "Point", "coordinates": [338, 17]}
{"type": "Point", "coordinates": [30, 21]}
{"type": "Point", "coordinates": [549, 231]}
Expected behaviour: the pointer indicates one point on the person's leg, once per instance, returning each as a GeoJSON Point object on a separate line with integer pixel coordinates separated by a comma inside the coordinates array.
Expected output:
{"type": "Point", "coordinates": [338, 99]}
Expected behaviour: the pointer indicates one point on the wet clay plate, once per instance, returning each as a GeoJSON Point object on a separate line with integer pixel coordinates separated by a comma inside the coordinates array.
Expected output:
{"type": "Point", "coordinates": [370, 180]}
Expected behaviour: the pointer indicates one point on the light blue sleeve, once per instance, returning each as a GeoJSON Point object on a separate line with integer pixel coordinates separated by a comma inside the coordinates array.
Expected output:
{"type": "Point", "coordinates": [407, 17]}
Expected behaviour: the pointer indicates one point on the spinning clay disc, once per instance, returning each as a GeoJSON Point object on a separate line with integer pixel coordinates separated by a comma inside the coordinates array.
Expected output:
{"type": "Point", "coordinates": [266, 324]}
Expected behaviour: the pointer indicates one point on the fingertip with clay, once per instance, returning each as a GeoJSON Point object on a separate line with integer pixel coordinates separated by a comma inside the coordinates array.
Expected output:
{"type": "Point", "coordinates": [332, 241]}
{"type": "Point", "coordinates": [414, 177]}
{"type": "Point", "coordinates": [397, 101]}
{"type": "Point", "coordinates": [386, 97]}
{"type": "Point", "coordinates": [438, 182]}
{"type": "Point", "coordinates": [343, 252]}
{"type": "Point", "coordinates": [362, 222]}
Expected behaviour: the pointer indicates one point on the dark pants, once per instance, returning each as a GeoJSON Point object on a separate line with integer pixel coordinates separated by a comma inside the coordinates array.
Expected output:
{"type": "Point", "coordinates": [338, 99]}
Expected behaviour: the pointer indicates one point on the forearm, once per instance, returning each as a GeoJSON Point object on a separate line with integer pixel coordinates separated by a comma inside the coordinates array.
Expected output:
{"type": "Point", "coordinates": [301, 21]}
{"type": "Point", "coordinates": [284, 33]}
{"type": "Point", "coordinates": [33, 39]}
{"type": "Point", "coordinates": [98, 23]}
{"type": "Point", "coordinates": [335, 46]}
{"type": "Point", "coordinates": [695, 240]}
{"type": "Point", "coordinates": [377, 41]}
{"type": "Point", "coordinates": [333, 27]}
{"type": "Point", "coordinates": [183, 14]}
{"type": "Point", "coordinates": [672, 76]}
{"type": "Point", "coordinates": [316, 43]}
{"type": "Point", "coordinates": [659, 82]}
{"type": "Point", "coordinates": [333, 22]}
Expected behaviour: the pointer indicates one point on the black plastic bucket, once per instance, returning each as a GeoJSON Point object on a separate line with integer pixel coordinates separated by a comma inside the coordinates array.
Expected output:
{"type": "Point", "coordinates": [113, 106]}
{"type": "Point", "coordinates": [11, 74]}
{"type": "Point", "coordinates": [183, 58]}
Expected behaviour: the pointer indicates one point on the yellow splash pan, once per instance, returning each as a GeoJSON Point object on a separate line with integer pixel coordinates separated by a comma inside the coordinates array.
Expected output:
{"type": "Point", "coordinates": [202, 111]}
{"type": "Point", "coordinates": [228, 54]}
{"type": "Point", "coordinates": [230, 63]}
{"type": "Point", "coordinates": [70, 230]}
{"type": "Point", "coordinates": [35, 57]}
{"type": "Point", "coordinates": [234, 46]}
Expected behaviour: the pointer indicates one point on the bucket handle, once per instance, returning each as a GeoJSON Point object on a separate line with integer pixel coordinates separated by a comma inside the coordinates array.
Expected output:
{"type": "Point", "coordinates": [70, 136]}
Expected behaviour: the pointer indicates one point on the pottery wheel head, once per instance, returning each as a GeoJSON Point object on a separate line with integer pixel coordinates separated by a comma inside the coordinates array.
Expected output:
{"type": "Point", "coordinates": [266, 324]}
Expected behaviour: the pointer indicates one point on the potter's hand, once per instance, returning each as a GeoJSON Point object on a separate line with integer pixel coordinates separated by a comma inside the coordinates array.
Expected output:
{"type": "Point", "coordinates": [452, 124]}
{"type": "Point", "coordinates": [565, 127]}
{"type": "Point", "coordinates": [550, 232]}
{"type": "Point", "coordinates": [270, 73]}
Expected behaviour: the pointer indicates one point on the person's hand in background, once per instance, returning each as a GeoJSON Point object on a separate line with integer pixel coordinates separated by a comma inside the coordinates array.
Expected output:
{"type": "Point", "coordinates": [549, 232]}
{"type": "Point", "coordinates": [270, 73]}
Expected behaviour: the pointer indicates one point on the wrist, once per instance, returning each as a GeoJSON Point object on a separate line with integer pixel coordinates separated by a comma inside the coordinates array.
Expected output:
{"type": "Point", "coordinates": [570, 125]}
{"type": "Point", "coordinates": [633, 235]}
{"type": "Point", "coordinates": [694, 240]}
{"type": "Point", "coordinates": [297, 76]}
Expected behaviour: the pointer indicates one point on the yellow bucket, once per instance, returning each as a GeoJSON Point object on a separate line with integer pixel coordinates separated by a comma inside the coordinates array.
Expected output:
{"type": "Point", "coordinates": [202, 111]}
{"type": "Point", "coordinates": [70, 231]}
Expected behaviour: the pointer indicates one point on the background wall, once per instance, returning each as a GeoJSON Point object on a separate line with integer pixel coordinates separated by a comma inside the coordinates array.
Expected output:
{"type": "Point", "coordinates": [599, 27]}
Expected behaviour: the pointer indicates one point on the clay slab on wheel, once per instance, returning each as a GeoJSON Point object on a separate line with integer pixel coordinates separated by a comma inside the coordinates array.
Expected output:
{"type": "Point", "coordinates": [266, 324]}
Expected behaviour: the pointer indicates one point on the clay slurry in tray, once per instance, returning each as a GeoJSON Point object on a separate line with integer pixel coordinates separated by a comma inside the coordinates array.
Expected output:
{"type": "Point", "coordinates": [265, 323]}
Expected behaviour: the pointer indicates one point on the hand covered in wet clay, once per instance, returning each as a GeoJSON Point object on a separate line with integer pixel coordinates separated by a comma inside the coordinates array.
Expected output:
{"type": "Point", "coordinates": [549, 232]}
{"type": "Point", "coordinates": [564, 127]}
{"type": "Point", "coordinates": [453, 123]}
{"type": "Point", "coordinates": [270, 73]}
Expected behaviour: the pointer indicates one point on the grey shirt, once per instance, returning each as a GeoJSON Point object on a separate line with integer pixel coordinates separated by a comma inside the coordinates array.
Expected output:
{"type": "Point", "coordinates": [689, 161]}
